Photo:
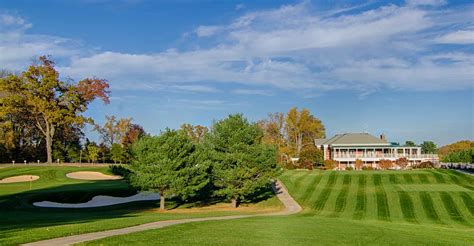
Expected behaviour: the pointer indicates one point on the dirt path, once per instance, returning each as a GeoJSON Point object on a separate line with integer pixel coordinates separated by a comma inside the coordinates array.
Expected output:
{"type": "Point", "coordinates": [291, 207]}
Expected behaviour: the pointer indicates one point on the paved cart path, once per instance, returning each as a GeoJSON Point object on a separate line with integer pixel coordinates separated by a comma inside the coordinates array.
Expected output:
{"type": "Point", "coordinates": [291, 207]}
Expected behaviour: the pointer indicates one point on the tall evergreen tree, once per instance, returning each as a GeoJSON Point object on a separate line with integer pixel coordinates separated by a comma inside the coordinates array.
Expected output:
{"type": "Point", "coordinates": [241, 165]}
{"type": "Point", "coordinates": [168, 164]}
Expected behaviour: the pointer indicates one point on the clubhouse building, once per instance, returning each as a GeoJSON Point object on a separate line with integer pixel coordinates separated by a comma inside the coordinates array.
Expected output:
{"type": "Point", "coordinates": [348, 147]}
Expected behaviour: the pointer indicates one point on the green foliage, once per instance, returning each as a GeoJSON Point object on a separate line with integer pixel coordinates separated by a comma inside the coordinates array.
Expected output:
{"type": "Point", "coordinates": [462, 156]}
{"type": "Point", "coordinates": [92, 152]}
{"type": "Point", "coordinates": [118, 154]}
{"type": "Point", "coordinates": [312, 155]}
{"type": "Point", "coordinates": [428, 147]}
{"type": "Point", "coordinates": [410, 144]}
{"type": "Point", "coordinates": [455, 147]}
{"type": "Point", "coordinates": [37, 99]}
{"type": "Point", "coordinates": [168, 163]}
{"type": "Point", "coordinates": [241, 164]}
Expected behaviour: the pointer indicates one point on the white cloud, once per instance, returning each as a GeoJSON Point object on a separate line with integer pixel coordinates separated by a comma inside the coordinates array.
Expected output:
{"type": "Point", "coordinates": [425, 2]}
{"type": "Point", "coordinates": [205, 31]}
{"type": "Point", "coordinates": [252, 92]}
{"type": "Point", "coordinates": [457, 37]}
{"type": "Point", "coordinates": [239, 6]}
{"type": "Point", "coordinates": [17, 48]}
{"type": "Point", "coordinates": [291, 48]}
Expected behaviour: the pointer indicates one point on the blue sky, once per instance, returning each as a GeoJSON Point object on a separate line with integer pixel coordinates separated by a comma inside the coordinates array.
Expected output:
{"type": "Point", "coordinates": [403, 68]}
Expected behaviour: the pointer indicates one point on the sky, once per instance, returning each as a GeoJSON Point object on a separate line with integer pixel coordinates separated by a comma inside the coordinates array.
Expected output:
{"type": "Point", "coordinates": [402, 68]}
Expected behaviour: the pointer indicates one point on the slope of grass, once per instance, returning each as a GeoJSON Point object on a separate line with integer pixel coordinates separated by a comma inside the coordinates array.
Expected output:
{"type": "Point", "coordinates": [21, 222]}
{"type": "Point", "coordinates": [382, 210]}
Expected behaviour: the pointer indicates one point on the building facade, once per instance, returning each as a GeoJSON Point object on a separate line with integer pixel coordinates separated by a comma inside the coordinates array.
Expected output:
{"type": "Point", "coordinates": [347, 148]}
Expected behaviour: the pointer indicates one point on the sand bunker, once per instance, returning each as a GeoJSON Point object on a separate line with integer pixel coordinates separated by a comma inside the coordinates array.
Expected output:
{"type": "Point", "coordinates": [101, 201]}
{"type": "Point", "coordinates": [17, 179]}
{"type": "Point", "coordinates": [87, 175]}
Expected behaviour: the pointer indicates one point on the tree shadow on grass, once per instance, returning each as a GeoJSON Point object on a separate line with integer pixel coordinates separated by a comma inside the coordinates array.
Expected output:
{"type": "Point", "coordinates": [17, 211]}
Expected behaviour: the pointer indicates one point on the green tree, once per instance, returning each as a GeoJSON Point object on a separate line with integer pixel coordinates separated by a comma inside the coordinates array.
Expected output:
{"type": "Point", "coordinates": [168, 164]}
{"type": "Point", "coordinates": [241, 164]}
{"type": "Point", "coordinates": [428, 147]}
{"type": "Point", "coordinates": [410, 144]}
{"type": "Point", "coordinates": [92, 152]}
{"type": "Point", "coordinates": [118, 153]}
{"type": "Point", "coordinates": [313, 155]}
{"type": "Point", "coordinates": [42, 99]}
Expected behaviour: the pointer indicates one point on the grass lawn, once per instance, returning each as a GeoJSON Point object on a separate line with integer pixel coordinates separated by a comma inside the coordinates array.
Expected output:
{"type": "Point", "coordinates": [21, 222]}
{"type": "Point", "coordinates": [431, 207]}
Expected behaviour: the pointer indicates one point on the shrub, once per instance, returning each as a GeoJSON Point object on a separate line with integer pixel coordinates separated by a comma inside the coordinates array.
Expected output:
{"type": "Point", "coordinates": [330, 164]}
{"type": "Point", "coordinates": [349, 168]}
{"type": "Point", "coordinates": [306, 164]}
{"type": "Point", "coordinates": [425, 164]}
{"type": "Point", "coordinates": [359, 164]}
{"type": "Point", "coordinates": [402, 162]}
{"type": "Point", "coordinates": [120, 170]}
{"type": "Point", "coordinates": [385, 164]}
{"type": "Point", "coordinates": [367, 168]}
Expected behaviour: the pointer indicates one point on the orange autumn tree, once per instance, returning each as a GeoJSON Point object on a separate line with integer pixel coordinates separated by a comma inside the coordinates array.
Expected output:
{"type": "Point", "coordinates": [385, 164]}
{"type": "Point", "coordinates": [293, 133]}
{"type": "Point", "coordinates": [402, 162]}
{"type": "Point", "coordinates": [48, 102]}
{"type": "Point", "coordinates": [359, 164]}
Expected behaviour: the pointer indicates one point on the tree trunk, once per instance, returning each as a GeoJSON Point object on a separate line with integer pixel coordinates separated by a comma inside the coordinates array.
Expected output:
{"type": "Point", "coordinates": [234, 203]}
{"type": "Point", "coordinates": [49, 151]}
{"type": "Point", "coordinates": [162, 201]}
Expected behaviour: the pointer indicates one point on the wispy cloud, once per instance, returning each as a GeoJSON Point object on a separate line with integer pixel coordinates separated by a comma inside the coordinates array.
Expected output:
{"type": "Point", "coordinates": [291, 48]}
{"type": "Point", "coordinates": [458, 37]}
{"type": "Point", "coordinates": [252, 92]}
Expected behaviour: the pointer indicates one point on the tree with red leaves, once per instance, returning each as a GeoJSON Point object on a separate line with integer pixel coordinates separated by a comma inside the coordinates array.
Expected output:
{"type": "Point", "coordinates": [48, 102]}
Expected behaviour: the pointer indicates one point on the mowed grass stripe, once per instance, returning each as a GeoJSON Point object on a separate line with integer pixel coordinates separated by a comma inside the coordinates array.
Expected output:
{"type": "Point", "coordinates": [438, 177]}
{"type": "Point", "coordinates": [406, 204]}
{"type": "Point", "coordinates": [383, 211]}
{"type": "Point", "coordinates": [408, 178]}
{"type": "Point", "coordinates": [311, 188]}
{"type": "Point", "coordinates": [324, 195]}
{"type": "Point", "coordinates": [428, 207]}
{"type": "Point", "coordinates": [423, 178]}
{"type": "Point", "coordinates": [341, 199]}
{"type": "Point", "coordinates": [460, 179]}
{"type": "Point", "coordinates": [468, 202]}
{"type": "Point", "coordinates": [361, 201]}
{"type": "Point", "coordinates": [301, 180]}
{"type": "Point", "coordinates": [393, 178]}
{"type": "Point", "coordinates": [451, 207]}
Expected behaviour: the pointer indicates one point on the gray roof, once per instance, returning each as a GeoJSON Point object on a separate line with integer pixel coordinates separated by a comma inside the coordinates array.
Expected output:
{"type": "Point", "coordinates": [352, 139]}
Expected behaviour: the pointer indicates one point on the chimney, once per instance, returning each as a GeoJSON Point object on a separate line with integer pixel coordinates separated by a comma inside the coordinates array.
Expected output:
{"type": "Point", "coordinates": [382, 137]}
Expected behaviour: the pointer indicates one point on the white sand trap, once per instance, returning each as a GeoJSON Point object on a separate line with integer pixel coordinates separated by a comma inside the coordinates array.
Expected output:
{"type": "Point", "coordinates": [101, 201]}
{"type": "Point", "coordinates": [87, 175]}
{"type": "Point", "coordinates": [17, 179]}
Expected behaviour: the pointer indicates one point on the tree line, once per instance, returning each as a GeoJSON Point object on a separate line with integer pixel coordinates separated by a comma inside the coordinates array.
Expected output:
{"type": "Point", "coordinates": [41, 118]}
{"type": "Point", "coordinates": [230, 161]}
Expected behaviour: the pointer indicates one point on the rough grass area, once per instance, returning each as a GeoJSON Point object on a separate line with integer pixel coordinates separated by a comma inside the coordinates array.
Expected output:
{"type": "Point", "coordinates": [340, 208]}
{"type": "Point", "coordinates": [21, 222]}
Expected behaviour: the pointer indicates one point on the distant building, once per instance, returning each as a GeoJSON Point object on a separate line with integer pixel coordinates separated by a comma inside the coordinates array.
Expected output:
{"type": "Point", "coordinates": [348, 147]}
